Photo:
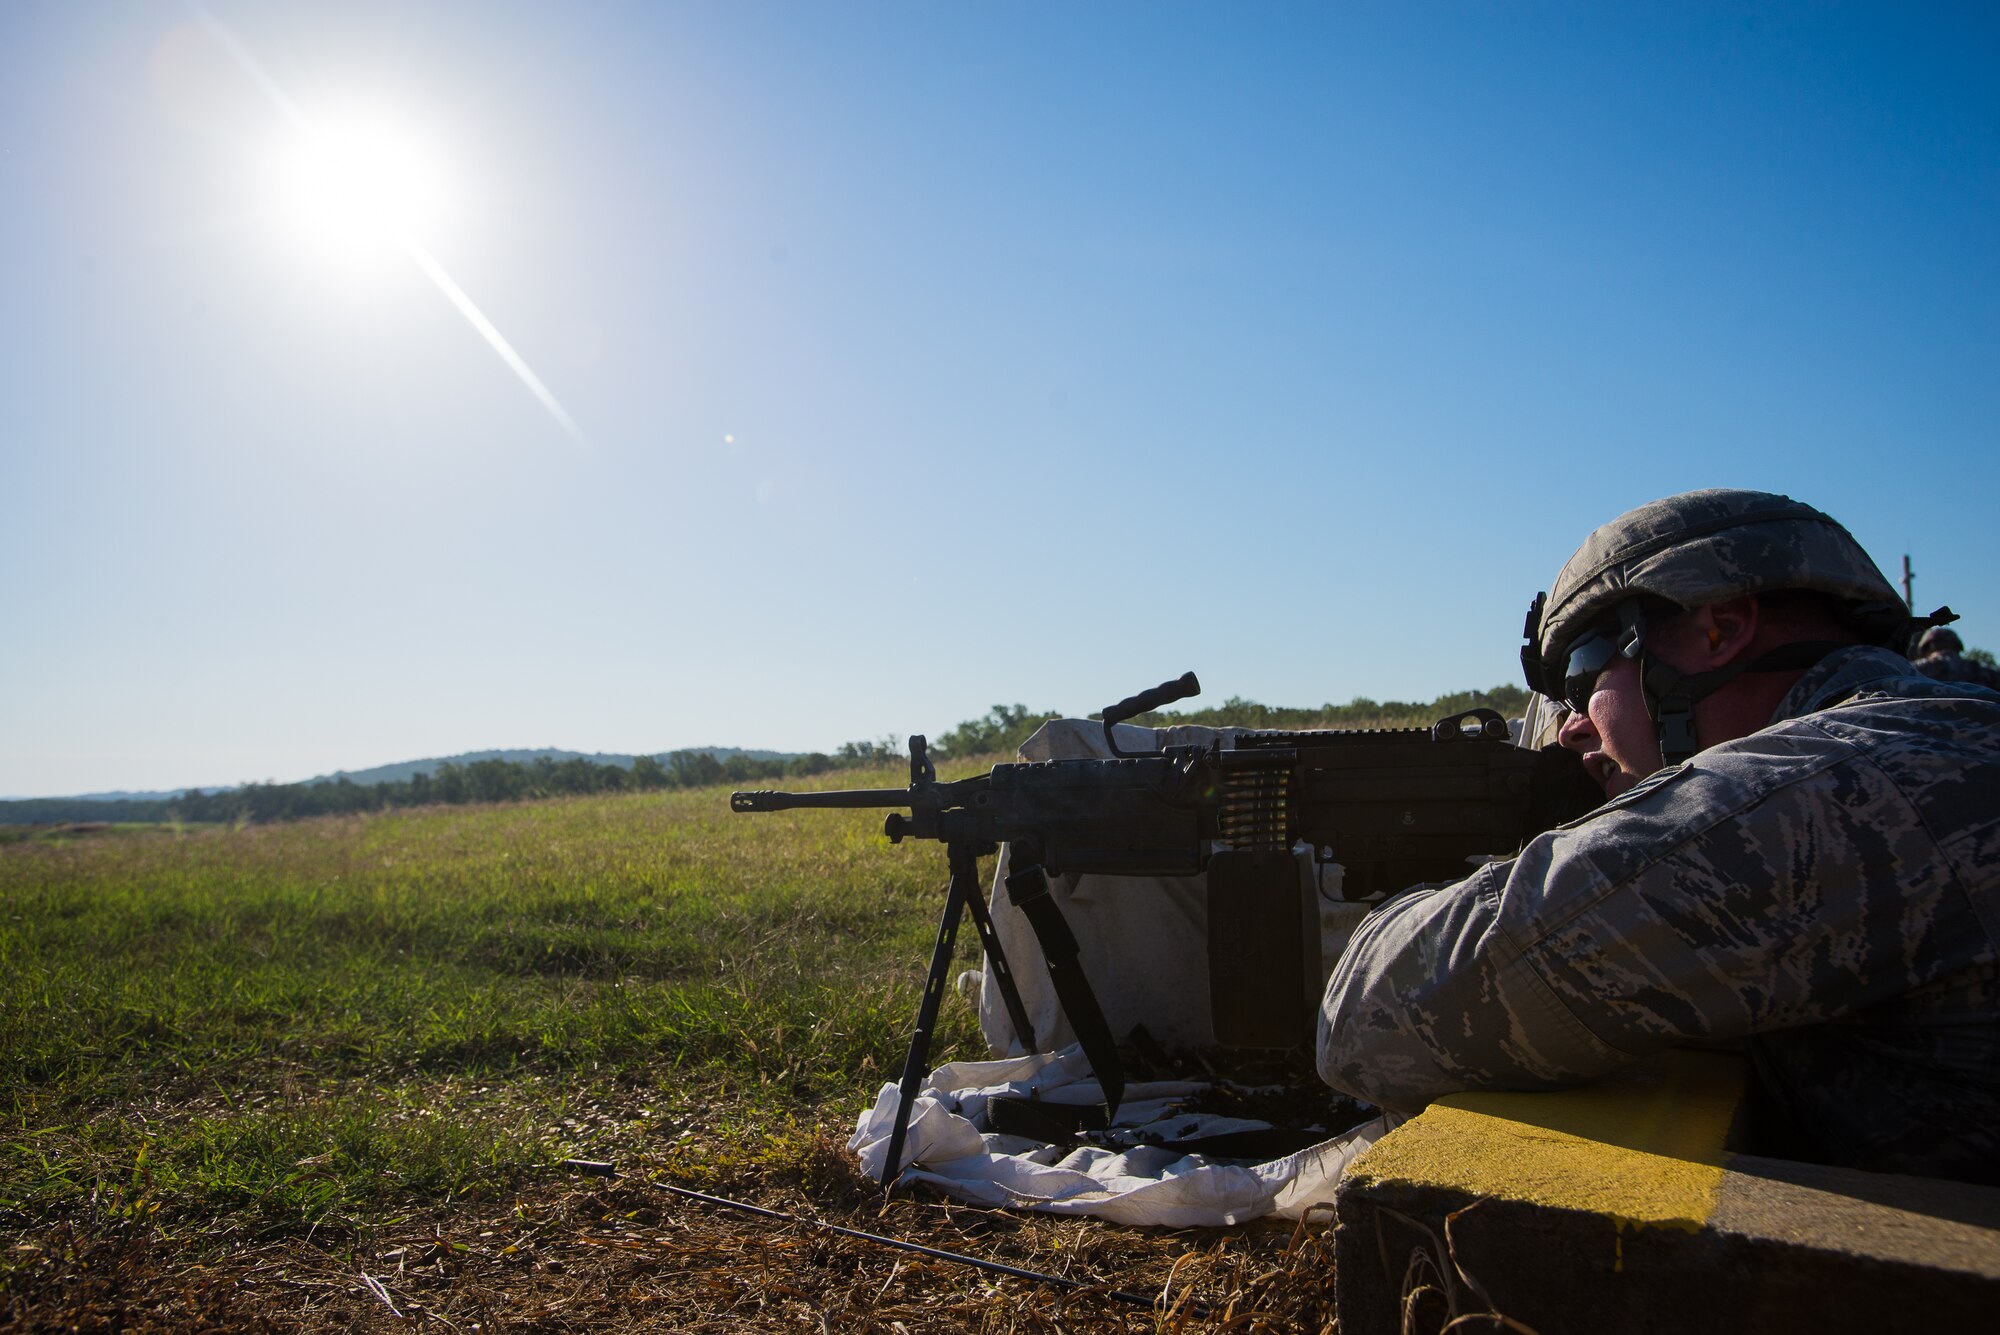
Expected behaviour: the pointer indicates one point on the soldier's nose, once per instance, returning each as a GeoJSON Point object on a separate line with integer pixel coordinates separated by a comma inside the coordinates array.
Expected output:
{"type": "Point", "coordinates": [1577, 732]}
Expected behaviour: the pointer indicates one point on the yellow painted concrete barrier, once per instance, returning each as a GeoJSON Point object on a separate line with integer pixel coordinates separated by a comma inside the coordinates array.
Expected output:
{"type": "Point", "coordinates": [1620, 1207]}
{"type": "Point", "coordinates": [1643, 1149]}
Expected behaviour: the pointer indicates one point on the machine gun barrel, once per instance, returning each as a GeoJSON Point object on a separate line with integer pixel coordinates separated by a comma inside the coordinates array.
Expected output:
{"type": "Point", "coordinates": [770, 800]}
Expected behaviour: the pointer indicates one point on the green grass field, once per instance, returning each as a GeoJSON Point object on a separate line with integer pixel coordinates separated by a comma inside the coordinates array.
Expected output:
{"type": "Point", "coordinates": [316, 1033]}
{"type": "Point", "coordinates": [424, 1001]}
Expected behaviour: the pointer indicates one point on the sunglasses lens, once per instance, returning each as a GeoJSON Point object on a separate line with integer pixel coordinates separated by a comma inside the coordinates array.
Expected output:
{"type": "Point", "coordinates": [1587, 662]}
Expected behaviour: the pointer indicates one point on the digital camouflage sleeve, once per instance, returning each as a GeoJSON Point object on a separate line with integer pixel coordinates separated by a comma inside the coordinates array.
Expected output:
{"type": "Point", "coordinates": [1827, 889]}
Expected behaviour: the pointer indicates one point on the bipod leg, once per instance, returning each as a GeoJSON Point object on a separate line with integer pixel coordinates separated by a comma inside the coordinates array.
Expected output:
{"type": "Point", "coordinates": [1029, 891]}
{"type": "Point", "coordinates": [964, 883]}
{"type": "Point", "coordinates": [996, 964]}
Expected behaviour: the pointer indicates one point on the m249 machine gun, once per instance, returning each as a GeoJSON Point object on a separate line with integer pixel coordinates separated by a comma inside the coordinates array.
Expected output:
{"type": "Point", "coordinates": [1393, 807]}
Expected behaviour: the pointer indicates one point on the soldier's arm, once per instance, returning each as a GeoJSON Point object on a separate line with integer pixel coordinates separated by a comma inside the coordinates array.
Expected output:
{"type": "Point", "coordinates": [1432, 996]}
{"type": "Point", "coordinates": [1779, 880]}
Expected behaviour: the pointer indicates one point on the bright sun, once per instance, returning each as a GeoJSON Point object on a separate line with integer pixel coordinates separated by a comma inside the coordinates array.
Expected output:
{"type": "Point", "coordinates": [359, 183]}
{"type": "Point", "coordinates": [364, 185]}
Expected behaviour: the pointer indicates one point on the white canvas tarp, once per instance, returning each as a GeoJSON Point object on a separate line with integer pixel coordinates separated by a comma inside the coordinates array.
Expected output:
{"type": "Point", "coordinates": [1134, 1183]}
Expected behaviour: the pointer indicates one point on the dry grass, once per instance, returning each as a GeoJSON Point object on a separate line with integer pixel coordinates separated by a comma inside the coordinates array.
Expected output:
{"type": "Point", "coordinates": [611, 1256]}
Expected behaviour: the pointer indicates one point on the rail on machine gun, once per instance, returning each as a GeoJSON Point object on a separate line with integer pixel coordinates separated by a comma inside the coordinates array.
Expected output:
{"type": "Point", "coordinates": [1391, 807]}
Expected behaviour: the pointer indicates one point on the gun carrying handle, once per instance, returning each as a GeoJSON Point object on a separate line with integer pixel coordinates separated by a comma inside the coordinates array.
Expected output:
{"type": "Point", "coordinates": [1180, 688]}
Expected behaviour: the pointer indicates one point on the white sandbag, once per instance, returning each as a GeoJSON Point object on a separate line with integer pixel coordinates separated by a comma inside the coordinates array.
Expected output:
{"type": "Point", "coordinates": [1143, 940]}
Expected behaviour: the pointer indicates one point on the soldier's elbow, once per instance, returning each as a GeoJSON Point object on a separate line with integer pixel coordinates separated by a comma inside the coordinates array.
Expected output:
{"type": "Point", "coordinates": [1357, 1064]}
{"type": "Point", "coordinates": [1370, 1052]}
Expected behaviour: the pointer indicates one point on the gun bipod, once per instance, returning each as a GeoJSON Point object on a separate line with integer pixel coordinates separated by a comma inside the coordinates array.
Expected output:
{"type": "Point", "coordinates": [1028, 890]}
{"type": "Point", "coordinates": [961, 894]}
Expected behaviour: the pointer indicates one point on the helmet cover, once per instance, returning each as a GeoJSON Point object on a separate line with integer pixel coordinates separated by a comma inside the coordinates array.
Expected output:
{"type": "Point", "coordinates": [1939, 640]}
{"type": "Point", "coordinates": [1703, 547]}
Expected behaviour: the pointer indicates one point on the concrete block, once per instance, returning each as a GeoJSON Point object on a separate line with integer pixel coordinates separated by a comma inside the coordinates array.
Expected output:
{"type": "Point", "coordinates": [1619, 1206]}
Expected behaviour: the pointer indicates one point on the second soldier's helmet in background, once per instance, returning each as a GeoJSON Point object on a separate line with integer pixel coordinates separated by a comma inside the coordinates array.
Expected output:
{"type": "Point", "coordinates": [1939, 640]}
{"type": "Point", "coordinates": [1705, 546]}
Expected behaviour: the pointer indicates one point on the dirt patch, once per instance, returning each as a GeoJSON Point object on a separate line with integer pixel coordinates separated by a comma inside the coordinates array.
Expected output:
{"type": "Point", "coordinates": [623, 1255]}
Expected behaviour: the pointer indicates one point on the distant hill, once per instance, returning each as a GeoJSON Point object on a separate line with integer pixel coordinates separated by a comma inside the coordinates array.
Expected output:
{"type": "Point", "coordinates": [401, 771]}
{"type": "Point", "coordinates": [152, 806]}
{"type": "Point", "coordinates": [161, 796]}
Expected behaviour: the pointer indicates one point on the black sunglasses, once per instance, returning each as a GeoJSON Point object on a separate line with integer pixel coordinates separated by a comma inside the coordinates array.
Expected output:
{"type": "Point", "coordinates": [1592, 654]}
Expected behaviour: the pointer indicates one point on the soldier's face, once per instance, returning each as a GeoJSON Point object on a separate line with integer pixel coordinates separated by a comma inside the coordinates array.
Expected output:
{"type": "Point", "coordinates": [1616, 736]}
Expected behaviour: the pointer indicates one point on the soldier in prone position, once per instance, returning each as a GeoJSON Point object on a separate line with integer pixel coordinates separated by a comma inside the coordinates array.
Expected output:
{"type": "Point", "coordinates": [1800, 851]}
{"type": "Point", "coordinates": [1941, 654]}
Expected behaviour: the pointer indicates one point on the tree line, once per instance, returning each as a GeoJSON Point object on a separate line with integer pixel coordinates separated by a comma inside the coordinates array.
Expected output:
{"type": "Point", "coordinates": [999, 732]}
{"type": "Point", "coordinates": [1360, 712]}
{"type": "Point", "coordinates": [509, 781]}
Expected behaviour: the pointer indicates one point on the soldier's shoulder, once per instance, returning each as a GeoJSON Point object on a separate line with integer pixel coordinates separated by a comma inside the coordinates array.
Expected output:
{"type": "Point", "coordinates": [1931, 738]}
{"type": "Point", "coordinates": [1756, 777]}
{"type": "Point", "coordinates": [1944, 700]}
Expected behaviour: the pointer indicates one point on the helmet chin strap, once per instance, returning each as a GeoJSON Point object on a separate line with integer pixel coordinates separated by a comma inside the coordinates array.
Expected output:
{"type": "Point", "coordinates": [1671, 694]}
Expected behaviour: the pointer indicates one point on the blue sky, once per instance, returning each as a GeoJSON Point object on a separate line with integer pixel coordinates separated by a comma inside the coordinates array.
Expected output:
{"type": "Point", "coordinates": [924, 357]}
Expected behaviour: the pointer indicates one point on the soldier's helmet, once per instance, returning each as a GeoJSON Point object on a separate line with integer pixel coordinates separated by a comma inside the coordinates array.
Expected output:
{"type": "Point", "coordinates": [1939, 640]}
{"type": "Point", "coordinates": [1702, 547]}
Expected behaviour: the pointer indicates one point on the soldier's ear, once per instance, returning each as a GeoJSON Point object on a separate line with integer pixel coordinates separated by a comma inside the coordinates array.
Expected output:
{"type": "Point", "coordinates": [1723, 631]}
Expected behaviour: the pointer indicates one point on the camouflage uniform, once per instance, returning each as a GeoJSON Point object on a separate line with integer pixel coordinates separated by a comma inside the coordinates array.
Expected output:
{"type": "Point", "coordinates": [1826, 890]}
